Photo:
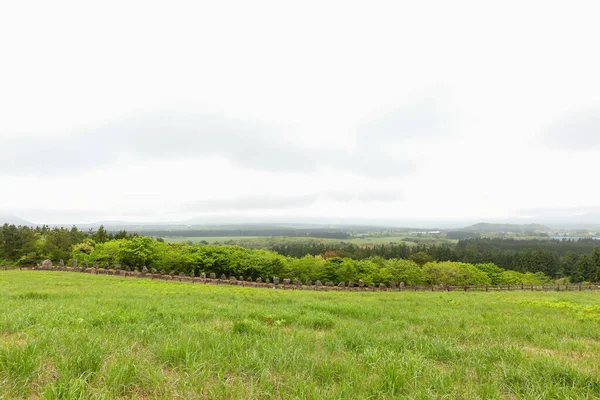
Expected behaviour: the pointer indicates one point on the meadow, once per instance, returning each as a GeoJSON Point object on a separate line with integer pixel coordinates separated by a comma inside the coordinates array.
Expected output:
{"type": "Point", "coordinates": [80, 336]}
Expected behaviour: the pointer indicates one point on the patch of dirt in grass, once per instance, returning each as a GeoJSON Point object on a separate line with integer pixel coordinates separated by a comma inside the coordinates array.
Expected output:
{"type": "Point", "coordinates": [220, 325]}
{"type": "Point", "coordinates": [12, 339]}
{"type": "Point", "coordinates": [576, 359]}
{"type": "Point", "coordinates": [536, 351]}
{"type": "Point", "coordinates": [558, 353]}
{"type": "Point", "coordinates": [46, 374]}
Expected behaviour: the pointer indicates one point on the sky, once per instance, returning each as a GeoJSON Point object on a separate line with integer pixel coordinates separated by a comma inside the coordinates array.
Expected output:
{"type": "Point", "coordinates": [323, 111]}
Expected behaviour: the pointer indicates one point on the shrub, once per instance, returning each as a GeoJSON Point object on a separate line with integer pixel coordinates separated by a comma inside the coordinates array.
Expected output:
{"type": "Point", "coordinates": [455, 273]}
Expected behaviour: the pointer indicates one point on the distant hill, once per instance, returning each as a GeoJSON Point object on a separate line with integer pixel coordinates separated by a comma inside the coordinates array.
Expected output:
{"type": "Point", "coordinates": [13, 220]}
{"type": "Point", "coordinates": [484, 227]}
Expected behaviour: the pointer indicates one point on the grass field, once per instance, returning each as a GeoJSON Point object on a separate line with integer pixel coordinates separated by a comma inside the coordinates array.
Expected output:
{"type": "Point", "coordinates": [69, 336]}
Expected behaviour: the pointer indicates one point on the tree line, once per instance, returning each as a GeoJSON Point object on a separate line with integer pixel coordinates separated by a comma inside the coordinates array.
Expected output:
{"type": "Point", "coordinates": [576, 260]}
{"type": "Point", "coordinates": [23, 245]}
{"type": "Point", "coordinates": [518, 261]}
{"type": "Point", "coordinates": [137, 252]}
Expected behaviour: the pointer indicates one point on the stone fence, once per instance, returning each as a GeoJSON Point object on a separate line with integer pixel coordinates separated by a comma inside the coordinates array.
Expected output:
{"type": "Point", "coordinates": [295, 284]}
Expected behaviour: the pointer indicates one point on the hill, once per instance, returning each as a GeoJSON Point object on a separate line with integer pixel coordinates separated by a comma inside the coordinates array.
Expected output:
{"type": "Point", "coordinates": [484, 227]}
{"type": "Point", "coordinates": [13, 220]}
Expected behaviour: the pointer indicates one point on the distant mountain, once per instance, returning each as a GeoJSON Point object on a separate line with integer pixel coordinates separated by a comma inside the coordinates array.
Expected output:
{"type": "Point", "coordinates": [484, 227]}
{"type": "Point", "coordinates": [13, 220]}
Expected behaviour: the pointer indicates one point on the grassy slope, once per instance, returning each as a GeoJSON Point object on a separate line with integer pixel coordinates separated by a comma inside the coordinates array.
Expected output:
{"type": "Point", "coordinates": [68, 335]}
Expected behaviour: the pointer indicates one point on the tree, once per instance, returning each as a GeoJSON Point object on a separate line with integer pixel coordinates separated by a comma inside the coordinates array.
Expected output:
{"type": "Point", "coordinates": [406, 271]}
{"type": "Point", "coordinates": [101, 236]}
{"type": "Point", "coordinates": [421, 258]}
{"type": "Point", "coordinates": [138, 251]}
{"type": "Point", "coordinates": [493, 271]}
{"type": "Point", "coordinates": [455, 273]}
{"type": "Point", "coordinates": [108, 252]}
{"type": "Point", "coordinates": [594, 272]}
{"type": "Point", "coordinates": [83, 250]}
{"type": "Point", "coordinates": [331, 269]}
{"type": "Point", "coordinates": [567, 264]}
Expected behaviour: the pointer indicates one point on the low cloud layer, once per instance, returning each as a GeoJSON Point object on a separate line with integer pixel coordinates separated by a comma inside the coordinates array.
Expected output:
{"type": "Point", "coordinates": [426, 118]}
{"type": "Point", "coordinates": [577, 131]}
{"type": "Point", "coordinates": [175, 135]}
{"type": "Point", "coordinates": [279, 202]}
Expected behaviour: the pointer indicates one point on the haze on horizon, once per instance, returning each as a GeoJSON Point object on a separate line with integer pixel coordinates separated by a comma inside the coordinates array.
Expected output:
{"type": "Point", "coordinates": [312, 111]}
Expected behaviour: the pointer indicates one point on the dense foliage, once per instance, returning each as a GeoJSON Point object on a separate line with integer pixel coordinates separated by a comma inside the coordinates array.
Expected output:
{"type": "Point", "coordinates": [473, 261]}
{"type": "Point", "coordinates": [23, 245]}
{"type": "Point", "coordinates": [577, 260]}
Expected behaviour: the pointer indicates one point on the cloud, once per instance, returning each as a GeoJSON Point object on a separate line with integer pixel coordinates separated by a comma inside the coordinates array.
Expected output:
{"type": "Point", "coordinates": [575, 215]}
{"type": "Point", "coordinates": [206, 207]}
{"type": "Point", "coordinates": [426, 118]}
{"type": "Point", "coordinates": [366, 197]}
{"type": "Point", "coordinates": [578, 131]}
{"type": "Point", "coordinates": [258, 202]}
{"type": "Point", "coordinates": [43, 156]}
{"type": "Point", "coordinates": [278, 202]}
{"type": "Point", "coordinates": [153, 136]}
{"type": "Point", "coordinates": [257, 145]}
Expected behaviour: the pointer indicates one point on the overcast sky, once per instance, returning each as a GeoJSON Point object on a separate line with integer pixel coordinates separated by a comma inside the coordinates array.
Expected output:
{"type": "Point", "coordinates": [300, 111]}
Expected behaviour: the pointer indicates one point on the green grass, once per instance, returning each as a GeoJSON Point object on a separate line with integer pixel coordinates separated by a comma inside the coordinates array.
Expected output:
{"type": "Point", "coordinates": [79, 336]}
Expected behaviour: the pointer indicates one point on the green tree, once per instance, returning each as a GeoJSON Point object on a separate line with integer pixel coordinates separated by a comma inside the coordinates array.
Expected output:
{"type": "Point", "coordinates": [138, 251]}
{"type": "Point", "coordinates": [455, 273]}
{"type": "Point", "coordinates": [82, 251]}
{"type": "Point", "coordinates": [101, 236]}
{"type": "Point", "coordinates": [406, 271]}
{"type": "Point", "coordinates": [493, 271]}
{"type": "Point", "coordinates": [421, 258]}
{"type": "Point", "coordinates": [108, 252]}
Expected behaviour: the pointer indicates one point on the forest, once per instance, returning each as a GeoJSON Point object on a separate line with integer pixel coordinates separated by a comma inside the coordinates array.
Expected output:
{"type": "Point", "coordinates": [471, 261]}
{"type": "Point", "coordinates": [576, 260]}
